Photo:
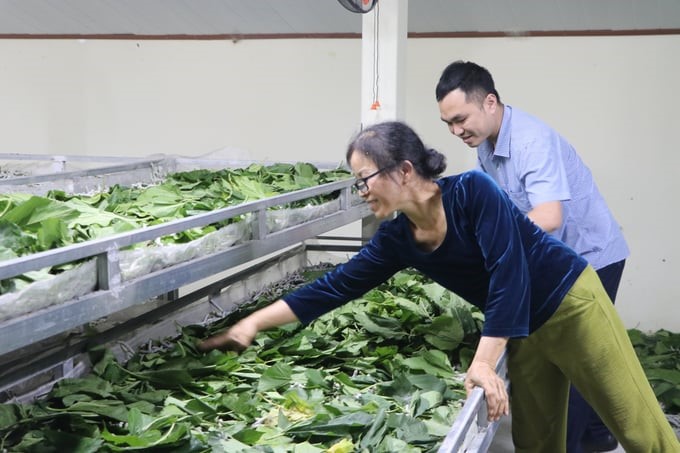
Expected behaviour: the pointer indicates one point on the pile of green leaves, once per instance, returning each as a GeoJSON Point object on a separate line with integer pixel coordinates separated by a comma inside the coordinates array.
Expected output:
{"type": "Point", "coordinates": [31, 223]}
{"type": "Point", "coordinates": [659, 354]}
{"type": "Point", "coordinates": [375, 375]}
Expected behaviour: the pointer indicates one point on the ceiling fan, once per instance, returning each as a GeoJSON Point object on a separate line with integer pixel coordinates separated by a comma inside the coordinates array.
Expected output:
{"type": "Point", "coordinates": [358, 6]}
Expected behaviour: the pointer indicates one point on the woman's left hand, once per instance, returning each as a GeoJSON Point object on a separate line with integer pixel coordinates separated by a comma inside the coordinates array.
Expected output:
{"type": "Point", "coordinates": [482, 374]}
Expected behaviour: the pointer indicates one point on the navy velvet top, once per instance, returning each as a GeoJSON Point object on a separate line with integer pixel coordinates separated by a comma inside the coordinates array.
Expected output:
{"type": "Point", "coordinates": [492, 256]}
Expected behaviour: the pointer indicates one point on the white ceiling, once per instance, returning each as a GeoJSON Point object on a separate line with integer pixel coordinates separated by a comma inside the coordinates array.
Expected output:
{"type": "Point", "coordinates": [294, 17]}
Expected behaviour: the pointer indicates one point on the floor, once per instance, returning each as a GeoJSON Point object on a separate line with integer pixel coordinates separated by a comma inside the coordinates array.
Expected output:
{"type": "Point", "coordinates": [502, 441]}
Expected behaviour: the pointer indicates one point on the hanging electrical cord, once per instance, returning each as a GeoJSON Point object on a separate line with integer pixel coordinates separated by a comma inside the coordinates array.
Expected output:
{"type": "Point", "coordinates": [363, 7]}
{"type": "Point", "coordinates": [376, 58]}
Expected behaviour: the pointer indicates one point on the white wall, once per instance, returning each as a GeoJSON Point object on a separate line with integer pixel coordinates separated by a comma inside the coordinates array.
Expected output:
{"type": "Point", "coordinates": [274, 99]}
{"type": "Point", "coordinates": [614, 98]}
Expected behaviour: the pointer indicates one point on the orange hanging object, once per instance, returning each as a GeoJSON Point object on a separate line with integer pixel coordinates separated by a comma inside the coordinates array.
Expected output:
{"type": "Point", "coordinates": [375, 105]}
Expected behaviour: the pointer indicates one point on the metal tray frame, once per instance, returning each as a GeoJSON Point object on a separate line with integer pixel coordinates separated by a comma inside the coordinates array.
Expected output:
{"type": "Point", "coordinates": [472, 432]}
{"type": "Point", "coordinates": [111, 296]}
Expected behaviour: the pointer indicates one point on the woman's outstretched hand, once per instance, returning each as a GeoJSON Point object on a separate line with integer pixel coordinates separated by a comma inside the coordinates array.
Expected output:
{"type": "Point", "coordinates": [236, 338]}
{"type": "Point", "coordinates": [241, 335]}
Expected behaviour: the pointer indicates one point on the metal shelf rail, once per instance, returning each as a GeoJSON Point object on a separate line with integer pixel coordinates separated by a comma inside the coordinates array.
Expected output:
{"type": "Point", "coordinates": [79, 174]}
{"type": "Point", "coordinates": [37, 173]}
{"type": "Point", "coordinates": [472, 432]}
{"type": "Point", "coordinates": [112, 295]}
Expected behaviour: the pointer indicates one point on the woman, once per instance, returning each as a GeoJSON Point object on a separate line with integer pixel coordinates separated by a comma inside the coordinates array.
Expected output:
{"type": "Point", "coordinates": [539, 298]}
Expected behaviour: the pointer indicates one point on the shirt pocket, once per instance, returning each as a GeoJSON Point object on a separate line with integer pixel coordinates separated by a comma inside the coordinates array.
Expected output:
{"type": "Point", "coordinates": [519, 198]}
{"type": "Point", "coordinates": [511, 185]}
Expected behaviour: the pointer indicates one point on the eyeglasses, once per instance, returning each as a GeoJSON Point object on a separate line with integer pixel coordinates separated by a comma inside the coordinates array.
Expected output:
{"type": "Point", "coordinates": [360, 184]}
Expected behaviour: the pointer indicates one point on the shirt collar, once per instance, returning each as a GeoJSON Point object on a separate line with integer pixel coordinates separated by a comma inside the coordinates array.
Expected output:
{"type": "Point", "coordinates": [502, 148]}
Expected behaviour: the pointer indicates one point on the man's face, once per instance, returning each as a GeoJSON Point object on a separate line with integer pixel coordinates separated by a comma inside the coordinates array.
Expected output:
{"type": "Point", "coordinates": [471, 120]}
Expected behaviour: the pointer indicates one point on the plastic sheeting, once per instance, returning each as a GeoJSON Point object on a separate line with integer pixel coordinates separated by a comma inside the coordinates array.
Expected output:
{"type": "Point", "coordinates": [82, 279]}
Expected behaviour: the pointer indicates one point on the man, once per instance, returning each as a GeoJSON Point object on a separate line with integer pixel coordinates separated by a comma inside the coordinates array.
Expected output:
{"type": "Point", "coordinates": [542, 174]}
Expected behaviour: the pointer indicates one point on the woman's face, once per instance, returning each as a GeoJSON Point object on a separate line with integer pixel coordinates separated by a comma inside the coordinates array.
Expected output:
{"type": "Point", "coordinates": [382, 189]}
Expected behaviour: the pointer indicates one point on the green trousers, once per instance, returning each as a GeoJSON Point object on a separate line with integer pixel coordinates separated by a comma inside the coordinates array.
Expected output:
{"type": "Point", "coordinates": [586, 343]}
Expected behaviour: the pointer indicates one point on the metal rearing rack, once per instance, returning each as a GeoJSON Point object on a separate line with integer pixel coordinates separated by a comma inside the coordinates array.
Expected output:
{"type": "Point", "coordinates": [469, 433]}
{"type": "Point", "coordinates": [112, 295]}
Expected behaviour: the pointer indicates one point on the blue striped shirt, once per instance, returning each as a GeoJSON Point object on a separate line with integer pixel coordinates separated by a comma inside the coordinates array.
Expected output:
{"type": "Point", "coordinates": [533, 164]}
